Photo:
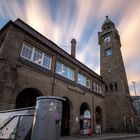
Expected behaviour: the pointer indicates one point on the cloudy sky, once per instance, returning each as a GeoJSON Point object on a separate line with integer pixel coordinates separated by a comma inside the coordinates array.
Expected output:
{"type": "Point", "coordinates": [62, 20]}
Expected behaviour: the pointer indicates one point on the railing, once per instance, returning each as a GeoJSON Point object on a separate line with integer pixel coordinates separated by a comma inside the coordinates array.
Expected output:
{"type": "Point", "coordinates": [16, 124]}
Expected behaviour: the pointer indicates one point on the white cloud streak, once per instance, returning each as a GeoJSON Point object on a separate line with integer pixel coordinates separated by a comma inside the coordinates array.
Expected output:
{"type": "Point", "coordinates": [66, 26]}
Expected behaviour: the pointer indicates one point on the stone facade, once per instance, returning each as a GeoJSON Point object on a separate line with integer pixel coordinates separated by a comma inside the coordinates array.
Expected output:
{"type": "Point", "coordinates": [119, 110]}
{"type": "Point", "coordinates": [21, 80]}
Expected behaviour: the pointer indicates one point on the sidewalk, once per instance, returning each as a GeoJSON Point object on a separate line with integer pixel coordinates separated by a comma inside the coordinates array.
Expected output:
{"type": "Point", "coordinates": [101, 137]}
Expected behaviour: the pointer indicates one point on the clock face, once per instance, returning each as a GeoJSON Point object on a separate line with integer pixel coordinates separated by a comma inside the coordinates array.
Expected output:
{"type": "Point", "coordinates": [107, 39]}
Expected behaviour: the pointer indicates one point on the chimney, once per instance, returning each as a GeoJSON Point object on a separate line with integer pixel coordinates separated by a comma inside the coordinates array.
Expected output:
{"type": "Point", "coordinates": [73, 48]}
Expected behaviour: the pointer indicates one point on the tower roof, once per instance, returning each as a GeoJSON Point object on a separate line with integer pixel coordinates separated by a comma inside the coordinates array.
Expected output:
{"type": "Point", "coordinates": [107, 21]}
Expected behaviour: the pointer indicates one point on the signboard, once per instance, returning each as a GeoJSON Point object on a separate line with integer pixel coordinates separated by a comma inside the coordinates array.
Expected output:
{"type": "Point", "coordinates": [87, 114]}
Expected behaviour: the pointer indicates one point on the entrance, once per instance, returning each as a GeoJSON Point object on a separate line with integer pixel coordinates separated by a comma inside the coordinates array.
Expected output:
{"type": "Point", "coordinates": [27, 98]}
{"type": "Point", "coordinates": [98, 113]}
{"type": "Point", "coordinates": [65, 122]}
{"type": "Point", "coordinates": [85, 119]}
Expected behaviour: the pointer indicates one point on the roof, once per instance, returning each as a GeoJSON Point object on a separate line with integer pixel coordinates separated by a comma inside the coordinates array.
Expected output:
{"type": "Point", "coordinates": [28, 29]}
{"type": "Point", "coordinates": [107, 21]}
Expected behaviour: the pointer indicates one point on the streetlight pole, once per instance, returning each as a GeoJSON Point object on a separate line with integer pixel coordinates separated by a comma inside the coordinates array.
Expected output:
{"type": "Point", "coordinates": [134, 87]}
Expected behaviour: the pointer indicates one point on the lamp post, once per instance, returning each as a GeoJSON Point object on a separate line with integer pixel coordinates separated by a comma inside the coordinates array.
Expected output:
{"type": "Point", "coordinates": [134, 87]}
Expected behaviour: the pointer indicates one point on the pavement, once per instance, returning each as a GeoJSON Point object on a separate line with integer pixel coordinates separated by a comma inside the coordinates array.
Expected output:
{"type": "Point", "coordinates": [109, 136]}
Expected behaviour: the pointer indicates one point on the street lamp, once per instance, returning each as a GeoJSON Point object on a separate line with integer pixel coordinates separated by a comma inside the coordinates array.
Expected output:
{"type": "Point", "coordinates": [134, 86]}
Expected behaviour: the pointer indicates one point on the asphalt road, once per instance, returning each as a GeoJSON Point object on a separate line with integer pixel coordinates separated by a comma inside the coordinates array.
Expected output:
{"type": "Point", "coordinates": [137, 138]}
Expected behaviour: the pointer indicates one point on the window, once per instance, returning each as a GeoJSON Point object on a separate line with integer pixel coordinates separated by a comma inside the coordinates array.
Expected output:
{"type": "Point", "coordinates": [96, 87]}
{"type": "Point", "coordinates": [88, 82]}
{"type": "Point", "coordinates": [116, 86]}
{"type": "Point", "coordinates": [111, 87]}
{"type": "Point", "coordinates": [27, 51]}
{"type": "Point", "coordinates": [35, 55]}
{"type": "Point", "coordinates": [59, 68]}
{"type": "Point", "coordinates": [71, 74]}
{"type": "Point", "coordinates": [64, 70]}
{"type": "Point", "coordinates": [47, 61]}
{"type": "Point", "coordinates": [108, 52]}
{"type": "Point", "coordinates": [83, 80]}
{"type": "Point", "coordinates": [109, 69]}
{"type": "Point", "coordinates": [106, 88]}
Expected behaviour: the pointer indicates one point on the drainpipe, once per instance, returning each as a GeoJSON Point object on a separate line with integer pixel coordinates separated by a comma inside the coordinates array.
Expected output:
{"type": "Point", "coordinates": [53, 77]}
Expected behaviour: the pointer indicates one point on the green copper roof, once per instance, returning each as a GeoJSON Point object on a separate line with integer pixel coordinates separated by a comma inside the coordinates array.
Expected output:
{"type": "Point", "coordinates": [107, 21]}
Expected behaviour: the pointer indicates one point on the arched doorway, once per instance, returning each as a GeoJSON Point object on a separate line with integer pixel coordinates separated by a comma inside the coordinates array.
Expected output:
{"type": "Point", "coordinates": [65, 122]}
{"type": "Point", "coordinates": [85, 119]}
{"type": "Point", "coordinates": [98, 118]}
{"type": "Point", "coordinates": [27, 98]}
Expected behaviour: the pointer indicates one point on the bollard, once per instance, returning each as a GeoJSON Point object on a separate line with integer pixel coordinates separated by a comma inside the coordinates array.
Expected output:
{"type": "Point", "coordinates": [47, 119]}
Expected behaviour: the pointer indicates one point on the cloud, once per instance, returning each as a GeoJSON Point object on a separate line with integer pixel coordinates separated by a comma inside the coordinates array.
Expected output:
{"type": "Point", "coordinates": [11, 9]}
{"type": "Point", "coordinates": [129, 31]}
{"type": "Point", "coordinates": [112, 7]}
{"type": "Point", "coordinates": [82, 16]}
{"type": "Point", "coordinates": [90, 51]}
{"type": "Point", "coordinates": [61, 21]}
{"type": "Point", "coordinates": [38, 17]}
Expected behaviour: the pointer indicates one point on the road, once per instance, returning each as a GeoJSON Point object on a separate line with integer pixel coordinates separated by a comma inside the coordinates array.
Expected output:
{"type": "Point", "coordinates": [101, 138]}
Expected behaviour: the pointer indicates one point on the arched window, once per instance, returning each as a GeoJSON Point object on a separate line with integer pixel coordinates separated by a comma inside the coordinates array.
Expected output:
{"type": "Point", "coordinates": [106, 88]}
{"type": "Point", "coordinates": [111, 87]}
{"type": "Point", "coordinates": [116, 86]}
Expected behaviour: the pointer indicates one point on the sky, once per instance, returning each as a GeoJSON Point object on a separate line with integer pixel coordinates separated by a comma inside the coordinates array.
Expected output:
{"type": "Point", "coordinates": [62, 20]}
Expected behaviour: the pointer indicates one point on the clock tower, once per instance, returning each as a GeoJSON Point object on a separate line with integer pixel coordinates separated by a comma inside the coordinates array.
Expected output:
{"type": "Point", "coordinates": [119, 111]}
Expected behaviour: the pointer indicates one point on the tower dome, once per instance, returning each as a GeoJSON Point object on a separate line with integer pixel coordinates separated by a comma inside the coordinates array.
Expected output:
{"type": "Point", "coordinates": [108, 24]}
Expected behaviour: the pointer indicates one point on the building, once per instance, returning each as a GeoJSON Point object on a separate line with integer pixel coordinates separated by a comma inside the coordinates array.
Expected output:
{"type": "Point", "coordinates": [118, 101]}
{"type": "Point", "coordinates": [32, 66]}
{"type": "Point", "coordinates": [136, 104]}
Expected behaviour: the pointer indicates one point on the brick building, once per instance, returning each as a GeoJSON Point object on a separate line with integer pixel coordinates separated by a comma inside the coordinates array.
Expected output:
{"type": "Point", "coordinates": [32, 65]}
{"type": "Point", "coordinates": [136, 104]}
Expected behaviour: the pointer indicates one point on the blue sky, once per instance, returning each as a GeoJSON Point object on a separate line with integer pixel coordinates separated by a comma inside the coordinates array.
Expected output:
{"type": "Point", "coordinates": [62, 20]}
